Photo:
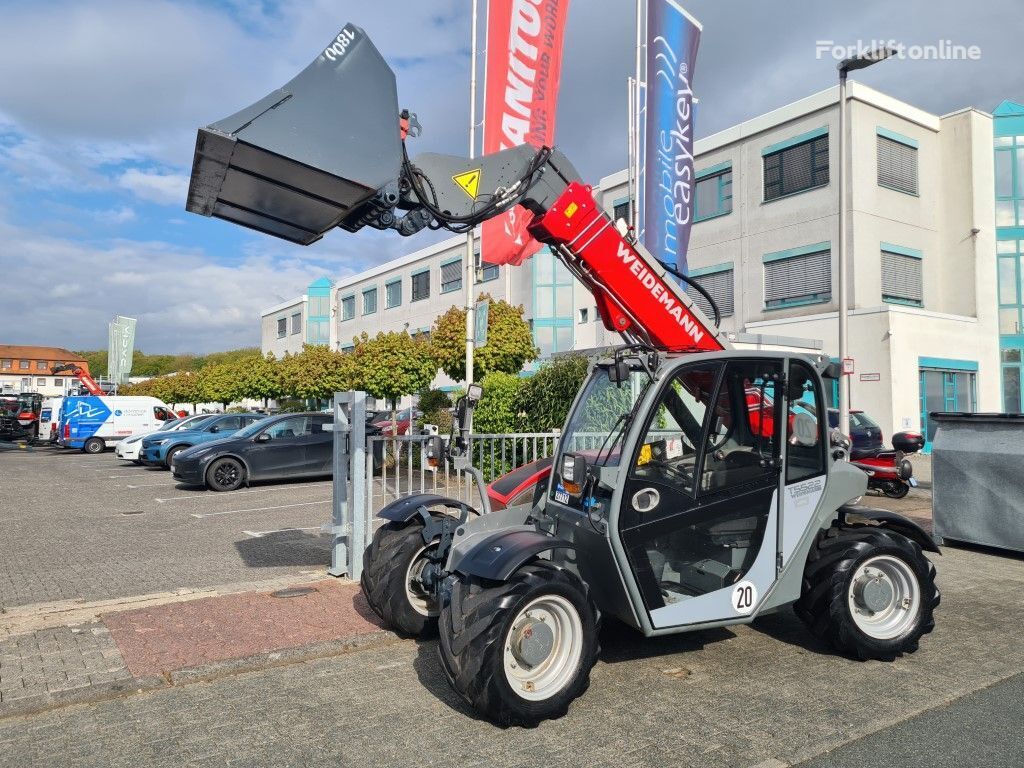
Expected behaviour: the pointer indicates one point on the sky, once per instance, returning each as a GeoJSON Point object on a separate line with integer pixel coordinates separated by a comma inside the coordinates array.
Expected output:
{"type": "Point", "coordinates": [100, 101]}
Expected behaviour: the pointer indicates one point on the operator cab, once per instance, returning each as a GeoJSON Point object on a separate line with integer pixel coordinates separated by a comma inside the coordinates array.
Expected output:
{"type": "Point", "coordinates": [685, 471]}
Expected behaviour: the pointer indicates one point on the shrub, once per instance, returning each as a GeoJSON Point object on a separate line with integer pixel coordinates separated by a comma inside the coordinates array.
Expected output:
{"type": "Point", "coordinates": [546, 397]}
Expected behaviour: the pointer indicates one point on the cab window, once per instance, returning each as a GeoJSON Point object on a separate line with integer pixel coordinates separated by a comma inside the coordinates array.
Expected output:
{"type": "Point", "coordinates": [805, 438]}
{"type": "Point", "coordinates": [668, 452]}
{"type": "Point", "coordinates": [295, 426]}
{"type": "Point", "coordinates": [741, 445]}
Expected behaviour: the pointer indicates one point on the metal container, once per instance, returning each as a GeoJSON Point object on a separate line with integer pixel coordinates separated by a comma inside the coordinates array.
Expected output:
{"type": "Point", "coordinates": [978, 478]}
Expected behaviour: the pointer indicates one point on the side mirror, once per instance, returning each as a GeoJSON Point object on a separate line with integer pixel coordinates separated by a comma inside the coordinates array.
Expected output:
{"type": "Point", "coordinates": [574, 473]}
{"type": "Point", "coordinates": [263, 437]}
{"type": "Point", "coordinates": [840, 445]}
{"type": "Point", "coordinates": [215, 428]}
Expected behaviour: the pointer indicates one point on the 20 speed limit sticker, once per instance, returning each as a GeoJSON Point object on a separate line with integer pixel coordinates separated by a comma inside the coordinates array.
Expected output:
{"type": "Point", "coordinates": [744, 597]}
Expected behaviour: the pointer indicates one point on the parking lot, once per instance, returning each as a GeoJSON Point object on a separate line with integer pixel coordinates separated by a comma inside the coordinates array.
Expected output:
{"type": "Point", "coordinates": [79, 527]}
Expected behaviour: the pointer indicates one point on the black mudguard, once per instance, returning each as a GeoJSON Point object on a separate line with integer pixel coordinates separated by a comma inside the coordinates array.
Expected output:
{"type": "Point", "coordinates": [498, 556]}
{"type": "Point", "coordinates": [404, 510]}
{"type": "Point", "coordinates": [851, 516]}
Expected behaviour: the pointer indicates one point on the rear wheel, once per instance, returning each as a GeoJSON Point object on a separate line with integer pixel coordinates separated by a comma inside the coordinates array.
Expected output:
{"type": "Point", "coordinates": [225, 474]}
{"type": "Point", "coordinates": [895, 489]}
{"type": "Point", "coordinates": [94, 445]}
{"type": "Point", "coordinates": [868, 592]}
{"type": "Point", "coordinates": [519, 651]}
{"type": "Point", "coordinates": [392, 578]}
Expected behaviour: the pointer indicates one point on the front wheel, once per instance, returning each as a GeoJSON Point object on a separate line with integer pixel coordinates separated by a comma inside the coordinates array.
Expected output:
{"type": "Point", "coordinates": [225, 474]}
{"type": "Point", "coordinates": [94, 445]}
{"type": "Point", "coordinates": [868, 592]}
{"type": "Point", "coordinates": [519, 651]}
{"type": "Point", "coordinates": [895, 489]}
{"type": "Point", "coordinates": [392, 579]}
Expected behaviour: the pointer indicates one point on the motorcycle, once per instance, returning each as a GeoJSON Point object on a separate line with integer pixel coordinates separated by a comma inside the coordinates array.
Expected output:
{"type": "Point", "coordinates": [890, 471]}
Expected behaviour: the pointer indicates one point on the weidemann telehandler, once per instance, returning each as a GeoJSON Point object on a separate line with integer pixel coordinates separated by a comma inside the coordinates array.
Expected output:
{"type": "Point", "coordinates": [694, 485]}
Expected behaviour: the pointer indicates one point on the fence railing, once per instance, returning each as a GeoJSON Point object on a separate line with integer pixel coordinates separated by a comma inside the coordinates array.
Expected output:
{"type": "Point", "coordinates": [396, 466]}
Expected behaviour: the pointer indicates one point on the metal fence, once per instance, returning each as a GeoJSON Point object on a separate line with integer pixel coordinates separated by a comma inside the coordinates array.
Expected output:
{"type": "Point", "coordinates": [395, 466]}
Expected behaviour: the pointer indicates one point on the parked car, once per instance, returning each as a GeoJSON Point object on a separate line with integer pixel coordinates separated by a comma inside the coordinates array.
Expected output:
{"type": "Point", "coordinates": [865, 434]}
{"type": "Point", "coordinates": [130, 448]}
{"type": "Point", "coordinates": [404, 419]}
{"type": "Point", "coordinates": [285, 446]}
{"type": "Point", "coordinates": [159, 449]}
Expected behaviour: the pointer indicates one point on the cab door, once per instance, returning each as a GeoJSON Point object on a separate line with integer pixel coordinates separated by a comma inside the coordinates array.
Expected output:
{"type": "Point", "coordinates": [698, 515]}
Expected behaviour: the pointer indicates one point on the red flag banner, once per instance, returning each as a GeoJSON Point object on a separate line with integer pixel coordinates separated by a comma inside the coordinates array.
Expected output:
{"type": "Point", "coordinates": [524, 63]}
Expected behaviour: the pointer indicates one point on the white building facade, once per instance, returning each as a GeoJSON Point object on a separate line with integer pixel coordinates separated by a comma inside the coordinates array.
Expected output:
{"type": "Point", "coordinates": [924, 325]}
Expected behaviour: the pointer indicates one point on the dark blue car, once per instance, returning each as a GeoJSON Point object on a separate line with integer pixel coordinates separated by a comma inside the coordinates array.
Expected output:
{"type": "Point", "coordinates": [865, 434]}
{"type": "Point", "coordinates": [160, 448]}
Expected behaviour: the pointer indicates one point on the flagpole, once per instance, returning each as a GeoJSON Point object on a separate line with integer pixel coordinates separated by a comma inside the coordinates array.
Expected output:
{"type": "Point", "coordinates": [470, 271]}
{"type": "Point", "coordinates": [634, 200]}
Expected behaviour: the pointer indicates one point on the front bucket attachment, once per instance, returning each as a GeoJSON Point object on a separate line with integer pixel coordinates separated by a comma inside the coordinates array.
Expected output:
{"type": "Point", "coordinates": [295, 163]}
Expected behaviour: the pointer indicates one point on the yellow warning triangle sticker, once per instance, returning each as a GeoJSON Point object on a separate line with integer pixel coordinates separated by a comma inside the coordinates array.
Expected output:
{"type": "Point", "coordinates": [469, 182]}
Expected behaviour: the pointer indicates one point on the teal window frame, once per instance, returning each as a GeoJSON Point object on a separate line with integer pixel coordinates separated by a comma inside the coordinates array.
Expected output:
{"type": "Point", "coordinates": [906, 141]}
{"type": "Point", "coordinates": [913, 253]}
{"type": "Point", "coordinates": [370, 292]}
{"type": "Point", "coordinates": [388, 286]}
{"type": "Point", "coordinates": [544, 317]}
{"type": "Point", "coordinates": [948, 368]}
{"type": "Point", "coordinates": [448, 287]}
{"type": "Point", "coordinates": [348, 307]}
{"type": "Point", "coordinates": [720, 180]}
{"type": "Point", "coordinates": [805, 299]}
{"type": "Point", "coordinates": [485, 272]}
{"type": "Point", "coordinates": [780, 148]}
{"type": "Point", "coordinates": [420, 273]}
{"type": "Point", "coordinates": [617, 209]}
{"type": "Point", "coordinates": [1010, 254]}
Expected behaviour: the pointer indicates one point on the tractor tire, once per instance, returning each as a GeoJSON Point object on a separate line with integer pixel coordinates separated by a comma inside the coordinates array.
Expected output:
{"type": "Point", "coordinates": [496, 659]}
{"type": "Point", "coordinates": [895, 489]}
{"type": "Point", "coordinates": [868, 592]}
{"type": "Point", "coordinates": [94, 445]}
{"type": "Point", "coordinates": [390, 566]}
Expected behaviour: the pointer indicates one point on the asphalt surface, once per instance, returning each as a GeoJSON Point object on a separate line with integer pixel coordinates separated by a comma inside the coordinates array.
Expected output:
{"type": "Point", "coordinates": [981, 730]}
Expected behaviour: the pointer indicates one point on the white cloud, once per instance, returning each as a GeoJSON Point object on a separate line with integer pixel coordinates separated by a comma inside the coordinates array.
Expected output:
{"type": "Point", "coordinates": [120, 215]}
{"type": "Point", "coordinates": [161, 188]}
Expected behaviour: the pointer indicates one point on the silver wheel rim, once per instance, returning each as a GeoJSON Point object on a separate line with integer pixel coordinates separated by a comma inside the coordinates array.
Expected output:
{"type": "Point", "coordinates": [546, 677]}
{"type": "Point", "coordinates": [884, 597]}
{"type": "Point", "coordinates": [418, 598]}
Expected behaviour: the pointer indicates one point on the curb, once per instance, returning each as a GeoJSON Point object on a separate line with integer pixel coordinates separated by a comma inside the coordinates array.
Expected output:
{"type": "Point", "coordinates": [31, 705]}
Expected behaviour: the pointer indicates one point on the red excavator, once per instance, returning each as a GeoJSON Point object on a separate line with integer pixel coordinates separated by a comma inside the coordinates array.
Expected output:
{"type": "Point", "coordinates": [672, 504]}
{"type": "Point", "coordinates": [82, 375]}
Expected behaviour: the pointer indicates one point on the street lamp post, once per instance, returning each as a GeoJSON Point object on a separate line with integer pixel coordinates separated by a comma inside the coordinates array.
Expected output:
{"type": "Point", "coordinates": [845, 67]}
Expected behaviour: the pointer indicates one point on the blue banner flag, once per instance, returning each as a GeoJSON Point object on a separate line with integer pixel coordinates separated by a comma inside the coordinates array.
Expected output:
{"type": "Point", "coordinates": [667, 186]}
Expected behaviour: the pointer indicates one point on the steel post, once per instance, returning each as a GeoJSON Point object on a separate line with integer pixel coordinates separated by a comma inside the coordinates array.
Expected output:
{"type": "Point", "coordinates": [340, 527]}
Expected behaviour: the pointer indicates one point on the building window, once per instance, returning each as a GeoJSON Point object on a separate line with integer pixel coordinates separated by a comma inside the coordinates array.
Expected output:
{"type": "Point", "coordinates": [421, 286]}
{"type": "Point", "coordinates": [282, 327]}
{"type": "Point", "coordinates": [798, 276]}
{"type": "Point", "coordinates": [945, 385]}
{"type": "Point", "coordinates": [552, 304]}
{"type": "Point", "coordinates": [369, 301]}
{"type": "Point", "coordinates": [717, 281]}
{"type": "Point", "coordinates": [26, 384]}
{"type": "Point", "coordinates": [23, 365]}
{"type": "Point", "coordinates": [40, 382]}
{"type": "Point", "coordinates": [796, 165]}
{"type": "Point", "coordinates": [451, 276]}
{"type": "Point", "coordinates": [41, 365]}
{"type": "Point", "coordinates": [58, 382]}
{"type": "Point", "coordinates": [296, 323]}
{"type": "Point", "coordinates": [584, 315]}
{"type": "Point", "coordinates": [5, 365]}
{"type": "Point", "coordinates": [1010, 277]}
{"type": "Point", "coordinates": [393, 294]}
{"type": "Point", "coordinates": [620, 210]}
{"type": "Point", "coordinates": [897, 162]}
{"type": "Point", "coordinates": [485, 270]}
{"type": "Point", "coordinates": [318, 331]}
{"type": "Point", "coordinates": [348, 308]}
{"type": "Point", "coordinates": [714, 193]}
{"type": "Point", "coordinates": [901, 275]}
{"type": "Point", "coordinates": [319, 306]}
{"type": "Point", "coordinates": [1009, 168]}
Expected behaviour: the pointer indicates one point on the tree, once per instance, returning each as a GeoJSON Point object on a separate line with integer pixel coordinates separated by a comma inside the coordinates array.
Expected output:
{"type": "Point", "coordinates": [498, 409]}
{"type": "Point", "coordinates": [547, 395]}
{"type": "Point", "coordinates": [393, 364]}
{"type": "Point", "coordinates": [181, 387]}
{"type": "Point", "coordinates": [220, 383]}
{"type": "Point", "coordinates": [509, 341]}
{"type": "Point", "coordinates": [261, 378]}
{"type": "Point", "coordinates": [315, 373]}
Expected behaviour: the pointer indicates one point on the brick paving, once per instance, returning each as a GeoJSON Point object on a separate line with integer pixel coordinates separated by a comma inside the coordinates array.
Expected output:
{"type": "Point", "coordinates": [175, 636]}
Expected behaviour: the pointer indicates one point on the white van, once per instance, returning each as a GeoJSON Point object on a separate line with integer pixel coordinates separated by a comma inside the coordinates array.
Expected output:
{"type": "Point", "coordinates": [93, 423]}
{"type": "Point", "coordinates": [49, 418]}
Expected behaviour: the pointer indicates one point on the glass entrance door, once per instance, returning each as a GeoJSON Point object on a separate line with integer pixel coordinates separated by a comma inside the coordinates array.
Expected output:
{"type": "Point", "coordinates": [945, 390]}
